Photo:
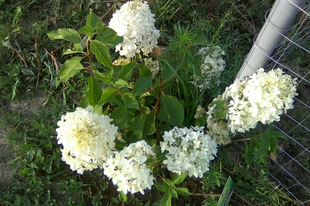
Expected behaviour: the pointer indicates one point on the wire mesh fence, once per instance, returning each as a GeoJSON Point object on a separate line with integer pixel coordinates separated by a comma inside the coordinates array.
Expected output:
{"type": "Point", "coordinates": [290, 166]}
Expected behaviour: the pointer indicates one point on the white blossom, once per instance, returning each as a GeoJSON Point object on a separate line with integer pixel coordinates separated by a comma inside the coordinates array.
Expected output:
{"type": "Point", "coordinates": [189, 150]}
{"type": "Point", "coordinates": [262, 97]}
{"type": "Point", "coordinates": [87, 139]}
{"type": "Point", "coordinates": [136, 24]}
{"type": "Point", "coordinates": [128, 169]}
{"type": "Point", "coordinates": [211, 68]}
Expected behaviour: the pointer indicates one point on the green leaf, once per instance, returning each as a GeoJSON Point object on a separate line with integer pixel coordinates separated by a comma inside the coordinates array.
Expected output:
{"type": "Point", "coordinates": [84, 101]}
{"type": "Point", "coordinates": [87, 30]}
{"type": "Point", "coordinates": [220, 113]}
{"type": "Point", "coordinates": [77, 48]}
{"type": "Point", "coordinates": [168, 71]}
{"type": "Point", "coordinates": [166, 201]}
{"type": "Point", "coordinates": [105, 78]}
{"type": "Point", "coordinates": [162, 188]}
{"type": "Point", "coordinates": [141, 85]}
{"type": "Point", "coordinates": [264, 147]}
{"type": "Point", "coordinates": [137, 125]}
{"type": "Point", "coordinates": [130, 101]}
{"type": "Point", "coordinates": [92, 20]}
{"type": "Point", "coordinates": [109, 38]}
{"type": "Point", "coordinates": [126, 72]}
{"type": "Point", "coordinates": [122, 197]}
{"type": "Point", "coordinates": [273, 144]}
{"type": "Point", "coordinates": [121, 83]}
{"type": "Point", "coordinates": [219, 104]}
{"type": "Point", "coordinates": [108, 93]}
{"type": "Point", "coordinates": [94, 91]}
{"type": "Point", "coordinates": [101, 52]}
{"type": "Point", "coordinates": [144, 71]}
{"type": "Point", "coordinates": [183, 191]}
{"type": "Point", "coordinates": [173, 109]}
{"type": "Point", "coordinates": [177, 179]}
{"type": "Point", "coordinates": [248, 155]}
{"type": "Point", "coordinates": [174, 193]}
{"type": "Point", "coordinates": [65, 34]}
{"type": "Point", "coordinates": [97, 109]}
{"type": "Point", "coordinates": [119, 116]}
{"type": "Point", "coordinates": [149, 125]}
{"type": "Point", "coordinates": [70, 68]}
{"type": "Point", "coordinates": [7, 44]}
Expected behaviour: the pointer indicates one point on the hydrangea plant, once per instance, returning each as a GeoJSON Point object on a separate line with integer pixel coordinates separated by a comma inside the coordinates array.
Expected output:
{"type": "Point", "coordinates": [135, 125]}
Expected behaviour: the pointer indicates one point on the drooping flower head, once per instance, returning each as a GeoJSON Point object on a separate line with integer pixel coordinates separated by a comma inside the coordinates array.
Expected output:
{"type": "Point", "coordinates": [189, 150]}
{"type": "Point", "coordinates": [136, 24]}
{"type": "Point", "coordinates": [128, 169]}
{"type": "Point", "coordinates": [262, 97]}
{"type": "Point", "coordinates": [87, 139]}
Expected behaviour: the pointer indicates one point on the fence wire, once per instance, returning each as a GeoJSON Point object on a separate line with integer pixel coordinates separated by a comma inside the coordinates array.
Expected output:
{"type": "Point", "coordinates": [290, 167]}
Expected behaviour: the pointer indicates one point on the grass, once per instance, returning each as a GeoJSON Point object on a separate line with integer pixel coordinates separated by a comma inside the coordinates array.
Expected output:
{"type": "Point", "coordinates": [39, 175]}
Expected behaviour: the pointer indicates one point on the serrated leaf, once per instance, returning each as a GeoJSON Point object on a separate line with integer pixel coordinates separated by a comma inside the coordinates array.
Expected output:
{"type": "Point", "coordinates": [77, 48]}
{"type": "Point", "coordinates": [70, 68]}
{"type": "Point", "coordinates": [177, 179]}
{"type": "Point", "coordinates": [141, 85]}
{"type": "Point", "coordinates": [174, 193]}
{"type": "Point", "coordinates": [166, 201]}
{"type": "Point", "coordinates": [101, 52]}
{"type": "Point", "coordinates": [108, 93]}
{"type": "Point", "coordinates": [183, 191]}
{"type": "Point", "coordinates": [173, 109]}
{"type": "Point", "coordinates": [65, 34]}
{"type": "Point", "coordinates": [92, 19]}
{"type": "Point", "coordinates": [107, 79]}
{"type": "Point", "coordinates": [126, 72]}
{"type": "Point", "coordinates": [130, 101]}
{"type": "Point", "coordinates": [119, 116]}
{"type": "Point", "coordinates": [87, 30]}
{"type": "Point", "coordinates": [94, 91]}
{"type": "Point", "coordinates": [109, 38]}
{"type": "Point", "coordinates": [144, 71]}
{"type": "Point", "coordinates": [149, 125]}
{"type": "Point", "coordinates": [122, 197]}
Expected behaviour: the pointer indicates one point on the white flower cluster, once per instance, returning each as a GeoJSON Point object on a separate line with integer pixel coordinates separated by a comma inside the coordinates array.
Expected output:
{"type": "Point", "coordinates": [211, 68]}
{"type": "Point", "coordinates": [136, 24]}
{"type": "Point", "coordinates": [87, 139]}
{"type": "Point", "coordinates": [263, 97]}
{"type": "Point", "coordinates": [128, 169]}
{"type": "Point", "coordinates": [189, 150]}
{"type": "Point", "coordinates": [152, 65]}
